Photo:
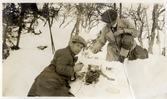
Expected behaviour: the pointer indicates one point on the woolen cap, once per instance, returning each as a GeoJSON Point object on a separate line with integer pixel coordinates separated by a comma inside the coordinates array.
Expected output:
{"type": "Point", "coordinates": [79, 39]}
{"type": "Point", "coordinates": [109, 15]}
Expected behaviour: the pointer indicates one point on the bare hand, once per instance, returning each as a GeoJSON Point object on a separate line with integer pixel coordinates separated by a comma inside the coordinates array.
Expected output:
{"type": "Point", "coordinates": [95, 50]}
{"type": "Point", "coordinates": [78, 67]}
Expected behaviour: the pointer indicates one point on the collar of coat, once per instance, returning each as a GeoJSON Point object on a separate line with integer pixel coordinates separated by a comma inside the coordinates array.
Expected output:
{"type": "Point", "coordinates": [69, 48]}
{"type": "Point", "coordinates": [72, 54]}
{"type": "Point", "coordinates": [121, 23]}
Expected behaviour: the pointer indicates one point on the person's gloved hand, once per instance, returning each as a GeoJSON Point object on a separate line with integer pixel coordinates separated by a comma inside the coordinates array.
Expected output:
{"type": "Point", "coordinates": [78, 67]}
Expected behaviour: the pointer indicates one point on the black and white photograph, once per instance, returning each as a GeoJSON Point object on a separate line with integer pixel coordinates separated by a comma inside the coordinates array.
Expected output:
{"type": "Point", "coordinates": [115, 50]}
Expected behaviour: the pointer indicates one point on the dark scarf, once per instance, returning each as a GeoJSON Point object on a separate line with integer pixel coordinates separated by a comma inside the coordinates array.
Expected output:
{"type": "Point", "coordinates": [113, 29]}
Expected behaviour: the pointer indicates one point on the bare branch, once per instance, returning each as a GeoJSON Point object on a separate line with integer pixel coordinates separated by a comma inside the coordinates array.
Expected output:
{"type": "Point", "coordinates": [161, 11]}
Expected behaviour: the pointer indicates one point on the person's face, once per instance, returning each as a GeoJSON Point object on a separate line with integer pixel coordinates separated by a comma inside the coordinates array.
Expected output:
{"type": "Point", "coordinates": [76, 48]}
{"type": "Point", "coordinates": [112, 23]}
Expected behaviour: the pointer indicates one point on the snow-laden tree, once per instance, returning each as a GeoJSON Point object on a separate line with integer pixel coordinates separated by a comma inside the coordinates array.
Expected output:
{"type": "Point", "coordinates": [10, 17]}
{"type": "Point", "coordinates": [158, 9]}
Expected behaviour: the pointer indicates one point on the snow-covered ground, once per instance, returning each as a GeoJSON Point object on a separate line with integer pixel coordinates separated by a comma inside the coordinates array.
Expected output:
{"type": "Point", "coordinates": [147, 79]}
{"type": "Point", "coordinates": [118, 89]}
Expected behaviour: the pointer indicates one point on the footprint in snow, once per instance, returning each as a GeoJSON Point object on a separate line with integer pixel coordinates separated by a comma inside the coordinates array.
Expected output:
{"type": "Point", "coordinates": [112, 90]}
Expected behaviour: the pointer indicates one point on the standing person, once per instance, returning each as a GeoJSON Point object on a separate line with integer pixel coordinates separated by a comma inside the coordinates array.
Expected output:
{"type": "Point", "coordinates": [53, 80]}
{"type": "Point", "coordinates": [120, 34]}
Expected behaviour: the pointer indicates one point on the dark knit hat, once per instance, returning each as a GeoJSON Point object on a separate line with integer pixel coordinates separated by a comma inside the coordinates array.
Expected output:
{"type": "Point", "coordinates": [109, 15]}
{"type": "Point", "coordinates": [79, 39]}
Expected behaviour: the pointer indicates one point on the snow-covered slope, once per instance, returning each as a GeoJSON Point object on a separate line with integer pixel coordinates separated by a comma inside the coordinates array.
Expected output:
{"type": "Point", "coordinates": [147, 77]}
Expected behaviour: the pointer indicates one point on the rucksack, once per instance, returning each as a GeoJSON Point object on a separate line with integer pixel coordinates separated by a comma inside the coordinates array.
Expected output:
{"type": "Point", "coordinates": [138, 53]}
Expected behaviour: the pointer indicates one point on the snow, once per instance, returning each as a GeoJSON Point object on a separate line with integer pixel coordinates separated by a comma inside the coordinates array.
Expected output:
{"type": "Point", "coordinates": [118, 88]}
{"type": "Point", "coordinates": [147, 79]}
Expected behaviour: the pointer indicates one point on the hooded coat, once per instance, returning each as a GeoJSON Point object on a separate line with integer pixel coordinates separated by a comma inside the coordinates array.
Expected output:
{"type": "Point", "coordinates": [114, 45]}
{"type": "Point", "coordinates": [53, 80]}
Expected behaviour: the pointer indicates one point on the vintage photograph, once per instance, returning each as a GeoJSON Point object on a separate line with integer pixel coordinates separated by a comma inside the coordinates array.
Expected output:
{"type": "Point", "coordinates": [63, 49]}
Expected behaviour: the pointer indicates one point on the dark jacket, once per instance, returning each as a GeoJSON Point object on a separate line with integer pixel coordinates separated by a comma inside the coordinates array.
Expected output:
{"type": "Point", "coordinates": [53, 80]}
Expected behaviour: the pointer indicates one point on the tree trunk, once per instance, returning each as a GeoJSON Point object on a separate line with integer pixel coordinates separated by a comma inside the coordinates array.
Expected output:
{"type": "Point", "coordinates": [120, 12]}
{"type": "Point", "coordinates": [34, 8]}
{"type": "Point", "coordinates": [78, 23]}
{"type": "Point", "coordinates": [158, 41]}
{"type": "Point", "coordinates": [154, 25]}
{"type": "Point", "coordinates": [30, 28]}
{"type": "Point", "coordinates": [114, 6]}
{"type": "Point", "coordinates": [19, 34]}
{"type": "Point", "coordinates": [23, 11]}
{"type": "Point", "coordinates": [78, 19]}
{"type": "Point", "coordinates": [140, 35]}
{"type": "Point", "coordinates": [19, 31]}
{"type": "Point", "coordinates": [147, 27]}
{"type": "Point", "coordinates": [64, 18]}
{"type": "Point", "coordinates": [5, 48]}
{"type": "Point", "coordinates": [52, 42]}
{"type": "Point", "coordinates": [5, 27]}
